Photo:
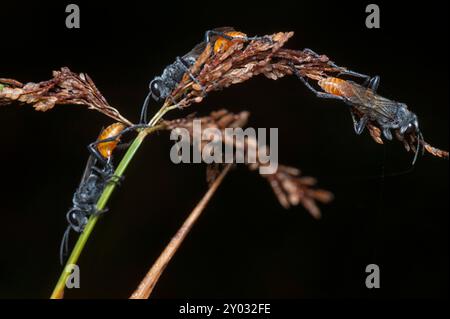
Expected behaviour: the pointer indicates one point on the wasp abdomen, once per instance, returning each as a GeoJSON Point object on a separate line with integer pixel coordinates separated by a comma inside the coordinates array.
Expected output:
{"type": "Point", "coordinates": [336, 86]}
{"type": "Point", "coordinates": [222, 44]}
{"type": "Point", "coordinates": [106, 148]}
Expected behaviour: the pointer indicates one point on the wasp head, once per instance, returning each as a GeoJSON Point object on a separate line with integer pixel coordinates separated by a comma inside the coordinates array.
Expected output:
{"type": "Point", "coordinates": [77, 219]}
{"type": "Point", "coordinates": [409, 124]}
{"type": "Point", "coordinates": [158, 89]}
{"type": "Point", "coordinates": [409, 121]}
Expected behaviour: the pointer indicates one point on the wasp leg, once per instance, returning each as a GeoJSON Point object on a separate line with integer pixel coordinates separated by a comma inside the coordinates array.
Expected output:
{"type": "Point", "coordinates": [93, 150]}
{"type": "Point", "coordinates": [355, 122]}
{"type": "Point", "coordinates": [126, 130]}
{"type": "Point", "coordinates": [91, 210]}
{"type": "Point", "coordinates": [115, 179]}
{"type": "Point", "coordinates": [104, 173]}
{"type": "Point", "coordinates": [188, 71]}
{"type": "Point", "coordinates": [387, 133]}
{"type": "Point", "coordinates": [99, 212]}
{"type": "Point", "coordinates": [359, 126]}
{"type": "Point", "coordinates": [92, 147]}
{"type": "Point", "coordinates": [373, 83]}
{"type": "Point", "coordinates": [343, 70]}
{"type": "Point", "coordinates": [313, 53]}
{"type": "Point", "coordinates": [317, 93]}
{"type": "Point", "coordinates": [107, 174]}
{"type": "Point", "coordinates": [186, 68]}
{"type": "Point", "coordinates": [231, 38]}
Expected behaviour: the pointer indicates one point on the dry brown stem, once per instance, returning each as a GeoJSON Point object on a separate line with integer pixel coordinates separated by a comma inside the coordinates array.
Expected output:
{"type": "Point", "coordinates": [65, 87]}
{"type": "Point", "coordinates": [243, 60]}
{"type": "Point", "coordinates": [289, 187]}
{"type": "Point", "coordinates": [147, 285]}
{"type": "Point", "coordinates": [409, 140]}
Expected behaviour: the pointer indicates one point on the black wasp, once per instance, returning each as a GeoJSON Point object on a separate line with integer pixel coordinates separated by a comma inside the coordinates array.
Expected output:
{"type": "Point", "coordinates": [98, 173]}
{"type": "Point", "coordinates": [388, 114]}
{"type": "Point", "coordinates": [162, 86]}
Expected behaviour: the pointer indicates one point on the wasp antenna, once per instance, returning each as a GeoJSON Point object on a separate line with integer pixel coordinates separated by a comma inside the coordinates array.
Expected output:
{"type": "Point", "coordinates": [415, 157]}
{"type": "Point", "coordinates": [143, 119]}
{"type": "Point", "coordinates": [419, 139]}
{"type": "Point", "coordinates": [64, 248]}
{"type": "Point", "coordinates": [422, 143]}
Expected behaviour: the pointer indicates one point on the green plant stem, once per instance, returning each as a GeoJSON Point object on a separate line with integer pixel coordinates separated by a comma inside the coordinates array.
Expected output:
{"type": "Point", "coordinates": [58, 291]}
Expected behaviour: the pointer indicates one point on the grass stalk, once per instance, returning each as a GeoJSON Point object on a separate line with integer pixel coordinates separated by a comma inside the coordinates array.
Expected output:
{"type": "Point", "coordinates": [58, 291]}
{"type": "Point", "coordinates": [147, 285]}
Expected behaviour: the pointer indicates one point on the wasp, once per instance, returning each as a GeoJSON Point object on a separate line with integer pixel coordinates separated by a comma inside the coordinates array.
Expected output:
{"type": "Point", "coordinates": [161, 86]}
{"type": "Point", "coordinates": [388, 114]}
{"type": "Point", "coordinates": [99, 171]}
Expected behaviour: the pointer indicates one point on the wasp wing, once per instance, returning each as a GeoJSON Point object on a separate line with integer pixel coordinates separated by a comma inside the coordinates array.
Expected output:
{"type": "Point", "coordinates": [88, 169]}
{"type": "Point", "coordinates": [90, 164]}
{"type": "Point", "coordinates": [367, 101]}
{"type": "Point", "coordinates": [195, 52]}
{"type": "Point", "coordinates": [224, 29]}
{"type": "Point", "coordinates": [385, 107]}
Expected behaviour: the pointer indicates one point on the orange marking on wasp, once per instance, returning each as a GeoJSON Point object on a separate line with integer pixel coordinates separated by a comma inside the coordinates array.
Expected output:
{"type": "Point", "coordinates": [336, 86]}
{"type": "Point", "coordinates": [222, 44]}
{"type": "Point", "coordinates": [106, 148]}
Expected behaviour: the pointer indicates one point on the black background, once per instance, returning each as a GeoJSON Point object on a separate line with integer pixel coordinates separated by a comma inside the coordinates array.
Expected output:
{"type": "Point", "coordinates": [245, 244]}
